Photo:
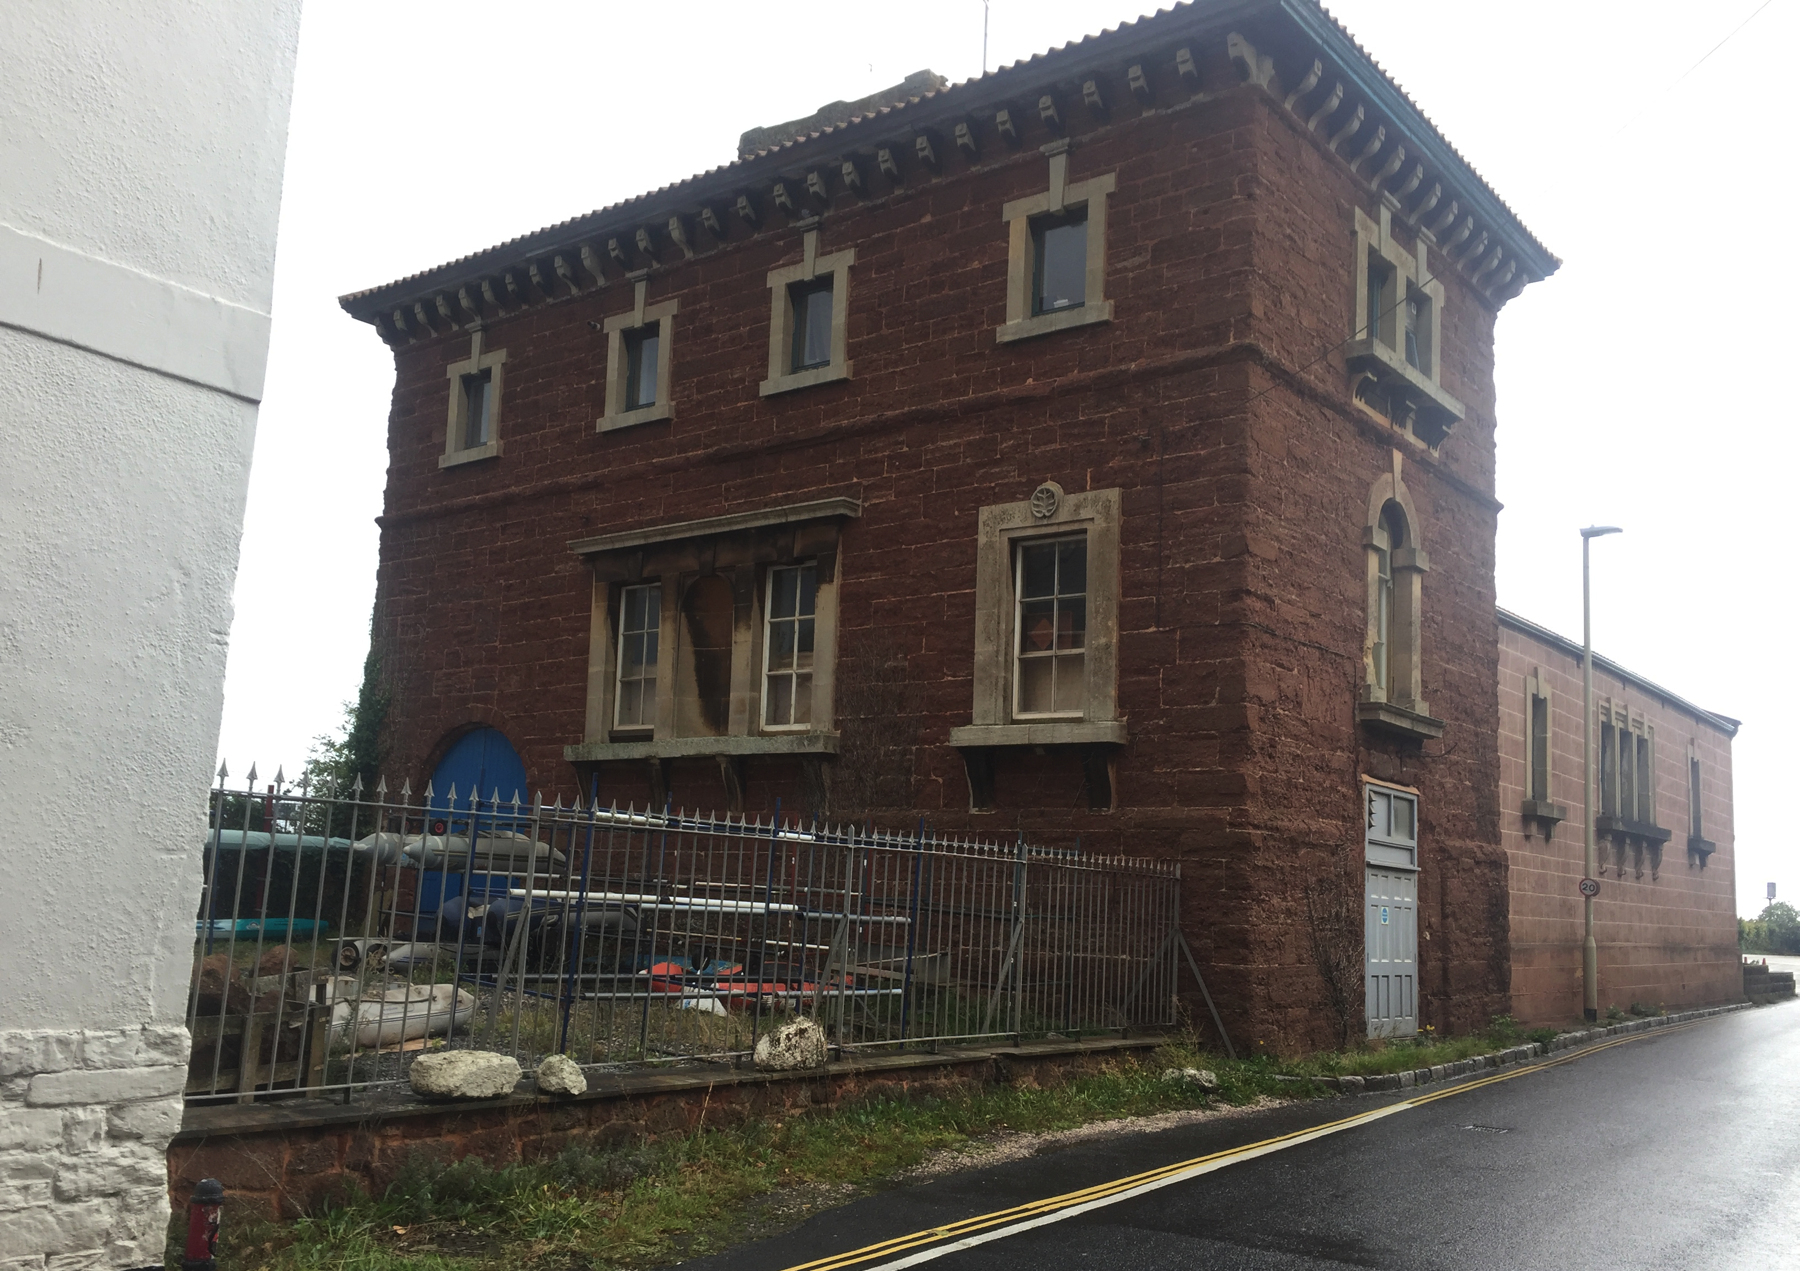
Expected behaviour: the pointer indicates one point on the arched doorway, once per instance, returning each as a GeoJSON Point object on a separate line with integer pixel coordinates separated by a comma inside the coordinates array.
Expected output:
{"type": "Point", "coordinates": [481, 762]}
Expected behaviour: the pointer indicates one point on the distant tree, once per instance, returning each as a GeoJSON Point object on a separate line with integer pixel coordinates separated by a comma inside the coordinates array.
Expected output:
{"type": "Point", "coordinates": [336, 761]}
{"type": "Point", "coordinates": [1780, 928]}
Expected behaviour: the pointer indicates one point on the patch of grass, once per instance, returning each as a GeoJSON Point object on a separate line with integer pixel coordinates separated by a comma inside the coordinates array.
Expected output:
{"type": "Point", "coordinates": [684, 1197]}
{"type": "Point", "coordinates": [1378, 1057]}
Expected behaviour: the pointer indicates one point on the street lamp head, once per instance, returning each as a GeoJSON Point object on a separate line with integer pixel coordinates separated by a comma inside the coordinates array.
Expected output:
{"type": "Point", "coordinates": [1595, 531]}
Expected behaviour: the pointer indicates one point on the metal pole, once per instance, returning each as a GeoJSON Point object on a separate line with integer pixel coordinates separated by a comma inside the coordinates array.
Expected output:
{"type": "Point", "coordinates": [1590, 954]}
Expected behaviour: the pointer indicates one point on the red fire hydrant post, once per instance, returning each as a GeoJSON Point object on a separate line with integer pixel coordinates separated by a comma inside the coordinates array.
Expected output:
{"type": "Point", "coordinates": [203, 1225]}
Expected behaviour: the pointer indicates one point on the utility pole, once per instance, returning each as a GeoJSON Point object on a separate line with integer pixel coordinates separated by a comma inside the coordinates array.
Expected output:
{"type": "Point", "coordinates": [1590, 952]}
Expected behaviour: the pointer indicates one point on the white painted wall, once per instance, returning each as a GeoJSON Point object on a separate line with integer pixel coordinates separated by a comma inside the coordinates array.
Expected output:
{"type": "Point", "coordinates": [141, 151]}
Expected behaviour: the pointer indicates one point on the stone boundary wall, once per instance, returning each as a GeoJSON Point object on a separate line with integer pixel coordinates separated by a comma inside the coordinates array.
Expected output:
{"type": "Point", "coordinates": [1511, 1055]}
{"type": "Point", "coordinates": [86, 1118]}
{"type": "Point", "coordinates": [281, 1160]}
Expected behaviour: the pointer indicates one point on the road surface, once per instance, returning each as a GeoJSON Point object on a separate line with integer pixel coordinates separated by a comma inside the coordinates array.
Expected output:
{"type": "Point", "coordinates": [1675, 1149]}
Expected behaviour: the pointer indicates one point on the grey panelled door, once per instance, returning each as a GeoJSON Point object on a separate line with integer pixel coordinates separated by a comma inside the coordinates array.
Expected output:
{"type": "Point", "coordinates": [1391, 941]}
{"type": "Point", "coordinates": [1391, 909]}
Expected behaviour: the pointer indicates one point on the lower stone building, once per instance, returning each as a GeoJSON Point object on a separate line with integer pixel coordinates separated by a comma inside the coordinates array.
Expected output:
{"type": "Point", "coordinates": [1665, 920]}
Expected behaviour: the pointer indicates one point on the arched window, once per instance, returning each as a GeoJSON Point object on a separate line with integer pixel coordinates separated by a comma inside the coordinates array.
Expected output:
{"type": "Point", "coordinates": [1393, 688]}
{"type": "Point", "coordinates": [1390, 533]}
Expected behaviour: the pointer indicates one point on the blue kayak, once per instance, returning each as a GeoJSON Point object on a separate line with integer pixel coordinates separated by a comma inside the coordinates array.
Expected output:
{"type": "Point", "coordinates": [252, 927]}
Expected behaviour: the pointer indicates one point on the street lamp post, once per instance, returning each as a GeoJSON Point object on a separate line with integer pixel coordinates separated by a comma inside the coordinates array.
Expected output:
{"type": "Point", "coordinates": [1590, 953]}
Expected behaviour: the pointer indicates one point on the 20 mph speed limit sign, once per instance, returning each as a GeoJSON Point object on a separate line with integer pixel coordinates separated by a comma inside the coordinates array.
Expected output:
{"type": "Point", "coordinates": [1590, 888]}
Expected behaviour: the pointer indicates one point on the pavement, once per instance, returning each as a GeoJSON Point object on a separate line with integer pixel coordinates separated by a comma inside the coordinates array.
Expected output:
{"type": "Point", "coordinates": [1676, 1148]}
{"type": "Point", "coordinates": [1776, 961]}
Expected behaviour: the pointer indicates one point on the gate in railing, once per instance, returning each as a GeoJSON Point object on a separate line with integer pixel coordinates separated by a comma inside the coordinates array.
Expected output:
{"type": "Point", "coordinates": [340, 936]}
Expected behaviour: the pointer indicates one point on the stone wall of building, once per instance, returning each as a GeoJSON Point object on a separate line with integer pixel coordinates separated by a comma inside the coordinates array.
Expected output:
{"type": "Point", "coordinates": [138, 209]}
{"type": "Point", "coordinates": [1312, 458]}
{"type": "Point", "coordinates": [1666, 931]}
{"type": "Point", "coordinates": [86, 1117]}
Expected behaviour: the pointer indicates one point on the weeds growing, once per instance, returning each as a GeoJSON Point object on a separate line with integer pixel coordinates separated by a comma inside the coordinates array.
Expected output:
{"type": "Point", "coordinates": [680, 1197]}
{"type": "Point", "coordinates": [675, 1198]}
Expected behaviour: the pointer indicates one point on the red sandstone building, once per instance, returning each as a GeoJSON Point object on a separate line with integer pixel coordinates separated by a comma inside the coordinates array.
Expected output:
{"type": "Point", "coordinates": [1102, 449]}
{"type": "Point", "coordinates": [1666, 919]}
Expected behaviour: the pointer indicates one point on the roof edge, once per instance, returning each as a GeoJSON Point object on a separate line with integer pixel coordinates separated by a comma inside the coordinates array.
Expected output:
{"type": "Point", "coordinates": [1525, 626]}
{"type": "Point", "coordinates": [581, 261]}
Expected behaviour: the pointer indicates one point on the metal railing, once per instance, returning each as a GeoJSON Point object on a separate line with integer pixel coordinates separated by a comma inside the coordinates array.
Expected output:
{"type": "Point", "coordinates": [340, 936]}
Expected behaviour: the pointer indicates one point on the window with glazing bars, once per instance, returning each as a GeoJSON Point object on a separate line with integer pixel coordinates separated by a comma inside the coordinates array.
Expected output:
{"type": "Point", "coordinates": [1540, 748]}
{"type": "Point", "coordinates": [788, 646]}
{"type": "Point", "coordinates": [478, 393]}
{"type": "Point", "coordinates": [812, 323]}
{"type": "Point", "coordinates": [1051, 621]}
{"type": "Point", "coordinates": [1694, 797]}
{"type": "Point", "coordinates": [1609, 780]}
{"type": "Point", "coordinates": [1381, 296]}
{"type": "Point", "coordinates": [1059, 261]}
{"type": "Point", "coordinates": [640, 626]}
{"type": "Point", "coordinates": [641, 347]}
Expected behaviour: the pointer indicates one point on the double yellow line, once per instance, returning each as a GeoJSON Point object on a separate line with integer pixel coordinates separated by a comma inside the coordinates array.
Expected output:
{"type": "Point", "coordinates": [934, 1242]}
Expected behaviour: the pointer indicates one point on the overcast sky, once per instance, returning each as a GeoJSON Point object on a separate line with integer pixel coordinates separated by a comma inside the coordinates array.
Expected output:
{"type": "Point", "coordinates": [1641, 386]}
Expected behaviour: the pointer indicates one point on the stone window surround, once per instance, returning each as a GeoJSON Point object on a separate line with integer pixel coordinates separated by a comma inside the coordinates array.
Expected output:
{"type": "Point", "coordinates": [1546, 813]}
{"type": "Point", "coordinates": [782, 377]}
{"type": "Point", "coordinates": [617, 372]}
{"type": "Point", "coordinates": [1629, 836]}
{"type": "Point", "coordinates": [494, 362]}
{"type": "Point", "coordinates": [1049, 513]}
{"type": "Point", "coordinates": [1021, 323]}
{"type": "Point", "coordinates": [1386, 851]}
{"type": "Point", "coordinates": [1378, 357]}
{"type": "Point", "coordinates": [739, 547]}
{"type": "Point", "coordinates": [1699, 847]}
{"type": "Point", "coordinates": [1400, 708]}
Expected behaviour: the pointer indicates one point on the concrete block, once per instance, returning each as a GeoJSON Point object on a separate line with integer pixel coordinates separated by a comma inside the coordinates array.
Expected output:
{"type": "Point", "coordinates": [140, 1224]}
{"type": "Point", "coordinates": [156, 1120]}
{"type": "Point", "coordinates": [84, 1130]}
{"type": "Point", "coordinates": [464, 1074]}
{"type": "Point", "coordinates": [22, 1195]}
{"type": "Point", "coordinates": [30, 1128]}
{"type": "Point", "coordinates": [108, 1173]}
{"type": "Point", "coordinates": [1439, 1071]}
{"type": "Point", "coordinates": [559, 1074]}
{"type": "Point", "coordinates": [52, 1230]}
{"type": "Point", "coordinates": [1406, 1081]}
{"type": "Point", "coordinates": [24, 1166]}
{"type": "Point", "coordinates": [111, 1047]}
{"type": "Point", "coordinates": [165, 1044]}
{"type": "Point", "coordinates": [27, 1052]}
{"type": "Point", "coordinates": [1350, 1085]}
{"type": "Point", "coordinates": [106, 1086]}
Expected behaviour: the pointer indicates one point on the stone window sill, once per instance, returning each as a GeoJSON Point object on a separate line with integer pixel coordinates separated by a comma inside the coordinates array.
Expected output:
{"type": "Point", "coordinates": [703, 747]}
{"type": "Point", "coordinates": [1397, 721]}
{"type": "Point", "coordinates": [804, 379]}
{"type": "Point", "coordinates": [473, 455]}
{"type": "Point", "coordinates": [1061, 320]}
{"type": "Point", "coordinates": [653, 413]}
{"type": "Point", "coordinates": [1701, 847]}
{"type": "Point", "coordinates": [1073, 732]}
{"type": "Point", "coordinates": [1539, 810]}
{"type": "Point", "coordinates": [1628, 829]}
{"type": "Point", "coordinates": [1435, 412]}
